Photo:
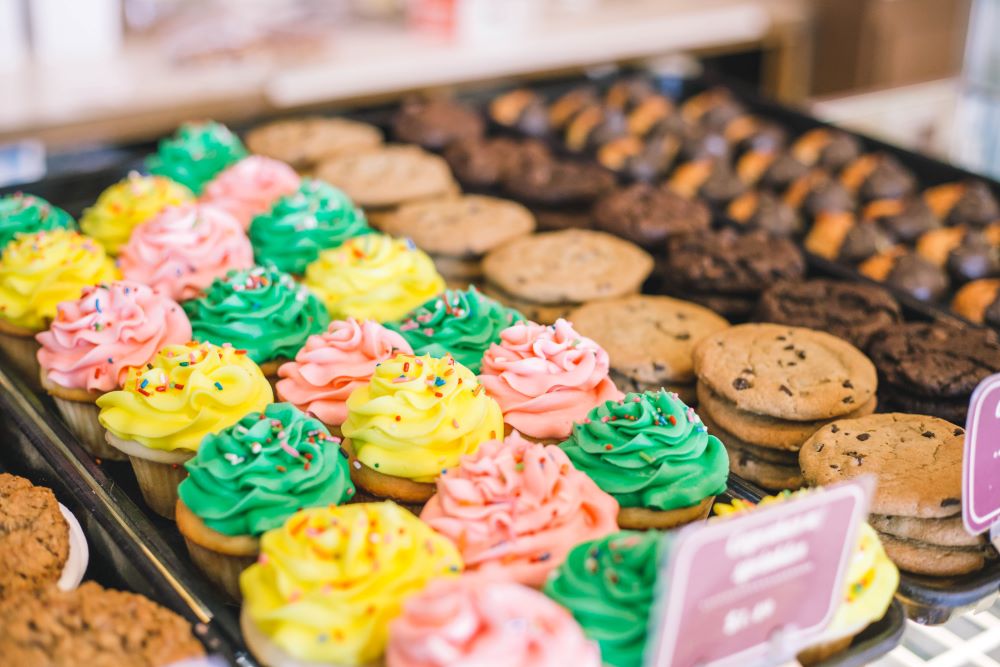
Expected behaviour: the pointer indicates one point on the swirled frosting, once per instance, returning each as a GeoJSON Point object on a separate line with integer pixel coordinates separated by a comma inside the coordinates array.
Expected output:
{"type": "Point", "coordinates": [27, 214]}
{"type": "Point", "coordinates": [260, 310]}
{"type": "Point", "coordinates": [332, 364]}
{"type": "Point", "coordinates": [462, 323]}
{"type": "Point", "coordinates": [374, 277]}
{"type": "Point", "coordinates": [546, 377]}
{"type": "Point", "coordinates": [196, 154]}
{"type": "Point", "coordinates": [608, 586]}
{"type": "Point", "coordinates": [467, 622]}
{"type": "Point", "coordinates": [251, 476]}
{"type": "Point", "coordinates": [182, 395]}
{"type": "Point", "coordinates": [127, 204]}
{"type": "Point", "coordinates": [516, 508]}
{"type": "Point", "coordinates": [94, 340]}
{"type": "Point", "coordinates": [329, 581]}
{"type": "Point", "coordinates": [251, 186]}
{"type": "Point", "coordinates": [649, 450]}
{"type": "Point", "coordinates": [418, 416]}
{"type": "Point", "coordinates": [316, 217]}
{"type": "Point", "coordinates": [183, 249]}
{"type": "Point", "coordinates": [39, 271]}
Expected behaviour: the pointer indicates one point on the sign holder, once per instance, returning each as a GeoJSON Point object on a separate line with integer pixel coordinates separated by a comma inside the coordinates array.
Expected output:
{"type": "Point", "coordinates": [981, 461]}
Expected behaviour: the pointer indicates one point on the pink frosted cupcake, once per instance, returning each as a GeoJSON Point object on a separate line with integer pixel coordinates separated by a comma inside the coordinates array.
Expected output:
{"type": "Point", "coordinates": [545, 378]}
{"type": "Point", "coordinates": [516, 508]}
{"type": "Point", "coordinates": [184, 248]}
{"type": "Point", "coordinates": [89, 347]}
{"type": "Point", "coordinates": [333, 364]}
{"type": "Point", "coordinates": [472, 622]}
{"type": "Point", "coordinates": [251, 186]}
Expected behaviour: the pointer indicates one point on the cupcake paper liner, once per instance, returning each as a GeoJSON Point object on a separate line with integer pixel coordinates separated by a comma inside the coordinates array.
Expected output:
{"type": "Point", "coordinates": [222, 569]}
{"type": "Point", "coordinates": [79, 553]}
{"type": "Point", "coordinates": [81, 417]}
{"type": "Point", "coordinates": [22, 355]}
{"type": "Point", "coordinates": [158, 473]}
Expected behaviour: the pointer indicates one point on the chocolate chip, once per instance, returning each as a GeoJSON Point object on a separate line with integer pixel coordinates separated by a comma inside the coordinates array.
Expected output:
{"type": "Point", "coordinates": [739, 384]}
{"type": "Point", "coordinates": [847, 384]}
{"type": "Point", "coordinates": [835, 466]}
{"type": "Point", "coordinates": [683, 336]}
{"type": "Point", "coordinates": [782, 338]}
{"type": "Point", "coordinates": [658, 367]}
{"type": "Point", "coordinates": [747, 371]}
{"type": "Point", "coordinates": [834, 428]}
{"type": "Point", "coordinates": [786, 390]}
{"type": "Point", "coordinates": [863, 436]}
{"type": "Point", "coordinates": [959, 431]}
{"type": "Point", "coordinates": [801, 354]}
{"type": "Point", "coordinates": [849, 399]}
{"type": "Point", "coordinates": [819, 446]}
{"type": "Point", "coordinates": [928, 434]}
{"type": "Point", "coordinates": [858, 458]}
{"type": "Point", "coordinates": [788, 347]}
{"type": "Point", "coordinates": [950, 502]}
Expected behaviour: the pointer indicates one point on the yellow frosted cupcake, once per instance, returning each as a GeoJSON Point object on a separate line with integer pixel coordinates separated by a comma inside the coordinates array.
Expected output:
{"type": "Point", "coordinates": [329, 581]}
{"type": "Point", "coordinates": [127, 204]}
{"type": "Point", "coordinates": [374, 277]}
{"type": "Point", "coordinates": [870, 584]}
{"type": "Point", "coordinates": [167, 406]}
{"type": "Point", "coordinates": [416, 418]}
{"type": "Point", "coordinates": [37, 272]}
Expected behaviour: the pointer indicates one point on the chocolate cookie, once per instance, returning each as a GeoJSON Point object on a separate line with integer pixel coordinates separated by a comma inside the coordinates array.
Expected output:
{"type": "Point", "coordinates": [483, 163]}
{"type": "Point", "coordinates": [785, 372]}
{"type": "Point", "coordinates": [436, 123]}
{"type": "Point", "coordinates": [34, 537]}
{"type": "Point", "coordinates": [764, 211]}
{"type": "Point", "coordinates": [302, 142]}
{"type": "Point", "coordinates": [551, 181]}
{"type": "Point", "coordinates": [650, 339]}
{"type": "Point", "coordinates": [728, 268]}
{"type": "Point", "coordinates": [649, 215]}
{"type": "Point", "coordinates": [852, 311]}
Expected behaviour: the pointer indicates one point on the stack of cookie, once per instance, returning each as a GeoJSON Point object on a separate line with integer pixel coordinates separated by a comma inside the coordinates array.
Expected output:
{"type": "Point", "coordinates": [764, 389]}
{"type": "Point", "coordinates": [917, 508]}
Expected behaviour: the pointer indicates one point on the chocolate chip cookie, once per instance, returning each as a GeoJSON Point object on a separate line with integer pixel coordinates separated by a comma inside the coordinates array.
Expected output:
{"type": "Point", "coordinates": [302, 142]}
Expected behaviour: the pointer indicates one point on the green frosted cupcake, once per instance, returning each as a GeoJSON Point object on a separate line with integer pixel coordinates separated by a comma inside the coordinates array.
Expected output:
{"type": "Point", "coordinates": [653, 454]}
{"type": "Point", "coordinates": [250, 478]}
{"type": "Point", "coordinates": [301, 225]}
{"type": "Point", "coordinates": [608, 585]}
{"type": "Point", "coordinates": [462, 323]}
{"type": "Point", "coordinates": [196, 153]}
{"type": "Point", "coordinates": [261, 310]}
{"type": "Point", "coordinates": [26, 214]}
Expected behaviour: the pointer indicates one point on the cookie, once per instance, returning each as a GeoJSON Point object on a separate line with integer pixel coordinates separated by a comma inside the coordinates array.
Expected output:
{"type": "Point", "coordinates": [649, 339]}
{"type": "Point", "coordinates": [852, 311]}
{"type": "Point", "coordinates": [763, 431]}
{"type": "Point", "coordinates": [483, 163]}
{"type": "Point", "coordinates": [826, 148]}
{"type": "Point", "coordinates": [979, 301]}
{"type": "Point", "coordinates": [907, 272]}
{"type": "Point", "coordinates": [643, 160]}
{"type": "Point", "coordinates": [648, 215]}
{"type": "Point", "coordinates": [921, 558]}
{"type": "Point", "coordinates": [947, 532]}
{"type": "Point", "coordinates": [567, 267]}
{"type": "Point", "coordinates": [551, 181]}
{"type": "Point", "coordinates": [905, 220]}
{"type": "Point", "coordinates": [878, 176]}
{"type": "Point", "coordinates": [771, 469]}
{"type": "Point", "coordinates": [840, 236]}
{"type": "Point", "coordinates": [532, 310]}
{"type": "Point", "coordinates": [818, 192]}
{"type": "Point", "coordinates": [766, 212]}
{"type": "Point", "coordinates": [916, 459]}
{"type": "Point", "coordinates": [522, 109]}
{"type": "Point", "coordinates": [34, 537]}
{"type": "Point", "coordinates": [435, 123]}
{"type": "Point", "coordinates": [302, 142]}
{"type": "Point", "coordinates": [971, 203]}
{"type": "Point", "coordinates": [785, 372]}
{"type": "Point", "coordinates": [389, 176]}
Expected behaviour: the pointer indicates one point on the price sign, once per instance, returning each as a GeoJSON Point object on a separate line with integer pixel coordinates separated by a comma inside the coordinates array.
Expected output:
{"type": "Point", "coordinates": [981, 463]}
{"type": "Point", "coordinates": [760, 587]}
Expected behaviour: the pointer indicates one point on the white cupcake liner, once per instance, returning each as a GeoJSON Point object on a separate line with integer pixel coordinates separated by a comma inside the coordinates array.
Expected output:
{"type": "Point", "coordinates": [269, 654]}
{"type": "Point", "coordinates": [79, 553]}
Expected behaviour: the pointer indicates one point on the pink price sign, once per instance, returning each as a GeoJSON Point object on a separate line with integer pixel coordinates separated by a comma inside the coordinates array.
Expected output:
{"type": "Point", "coordinates": [981, 462]}
{"type": "Point", "coordinates": [758, 588]}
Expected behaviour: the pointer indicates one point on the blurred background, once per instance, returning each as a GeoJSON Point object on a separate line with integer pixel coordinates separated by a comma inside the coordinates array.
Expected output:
{"type": "Point", "coordinates": [921, 73]}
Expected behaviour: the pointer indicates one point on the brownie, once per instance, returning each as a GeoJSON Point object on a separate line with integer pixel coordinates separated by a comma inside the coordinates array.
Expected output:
{"type": "Point", "coordinates": [648, 215]}
{"type": "Point", "coordinates": [436, 123]}
{"type": "Point", "coordinates": [551, 181]}
{"type": "Point", "coordinates": [852, 311]}
{"type": "Point", "coordinates": [935, 361]}
{"type": "Point", "coordinates": [976, 207]}
{"type": "Point", "coordinates": [727, 271]}
{"type": "Point", "coordinates": [34, 537]}
{"type": "Point", "coordinates": [93, 626]}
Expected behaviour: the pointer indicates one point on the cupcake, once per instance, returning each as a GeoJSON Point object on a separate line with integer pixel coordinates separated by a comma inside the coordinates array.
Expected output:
{"type": "Point", "coordinates": [183, 249]}
{"type": "Point", "coordinates": [299, 226]}
{"type": "Point", "coordinates": [37, 272]}
{"type": "Point", "coordinates": [126, 205]}
{"type": "Point", "coordinates": [870, 585]}
{"type": "Point", "coordinates": [416, 418]}
{"type": "Point", "coordinates": [41, 545]}
{"type": "Point", "coordinates": [27, 214]}
{"type": "Point", "coordinates": [196, 153]}
{"type": "Point", "coordinates": [468, 621]}
{"type": "Point", "coordinates": [515, 508]}
{"type": "Point", "coordinates": [260, 310]}
{"type": "Point", "coordinates": [329, 582]}
{"type": "Point", "coordinates": [168, 406]}
{"type": "Point", "coordinates": [250, 478]}
{"type": "Point", "coordinates": [545, 378]}
{"type": "Point", "coordinates": [373, 277]}
{"type": "Point", "coordinates": [94, 340]}
{"type": "Point", "coordinates": [332, 364]}
{"type": "Point", "coordinates": [608, 586]}
{"type": "Point", "coordinates": [250, 187]}
{"type": "Point", "coordinates": [652, 453]}
{"type": "Point", "coordinates": [462, 323]}
{"type": "Point", "coordinates": [95, 626]}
